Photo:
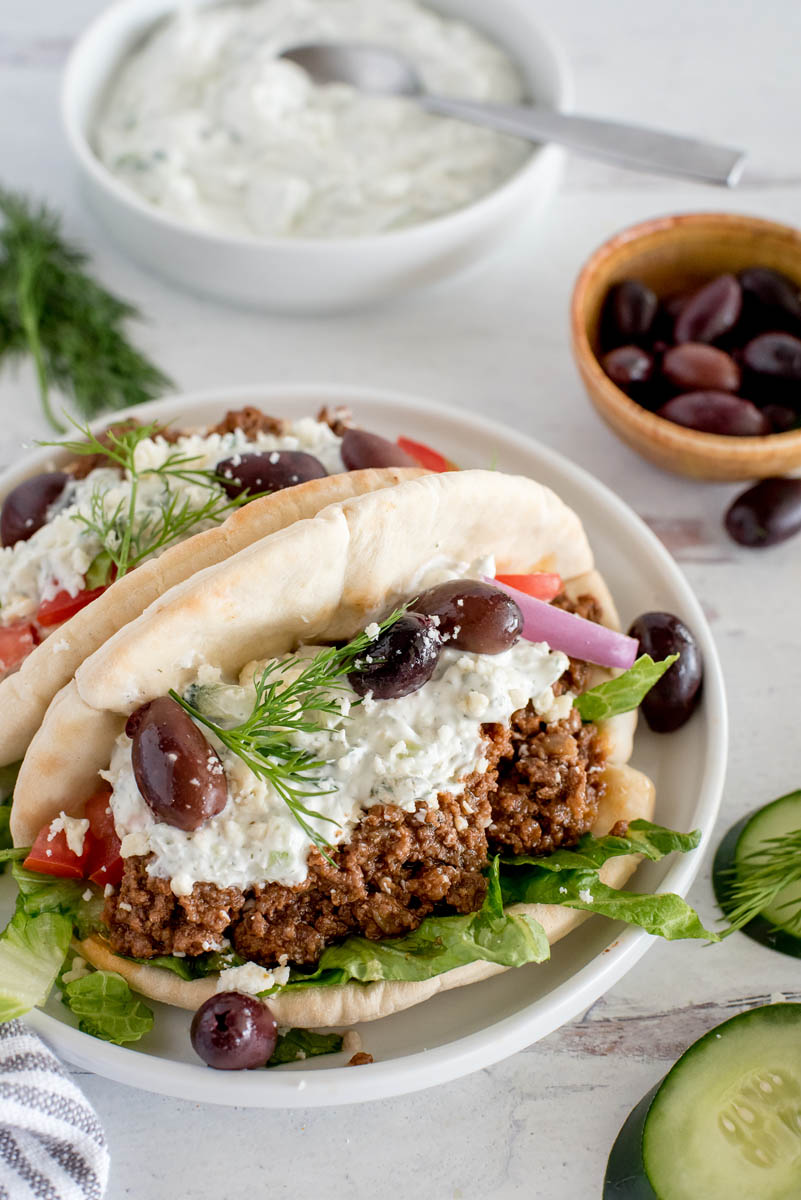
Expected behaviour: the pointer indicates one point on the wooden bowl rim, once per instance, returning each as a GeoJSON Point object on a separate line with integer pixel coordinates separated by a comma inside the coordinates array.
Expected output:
{"type": "Point", "coordinates": [670, 436]}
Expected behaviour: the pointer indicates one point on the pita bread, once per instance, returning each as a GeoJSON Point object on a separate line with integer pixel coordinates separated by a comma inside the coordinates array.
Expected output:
{"type": "Point", "coordinates": [25, 695]}
{"type": "Point", "coordinates": [367, 553]}
{"type": "Point", "coordinates": [629, 795]}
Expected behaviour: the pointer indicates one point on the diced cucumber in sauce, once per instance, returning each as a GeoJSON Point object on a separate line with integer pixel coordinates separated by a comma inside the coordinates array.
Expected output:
{"type": "Point", "coordinates": [725, 1122]}
{"type": "Point", "coordinates": [779, 924]}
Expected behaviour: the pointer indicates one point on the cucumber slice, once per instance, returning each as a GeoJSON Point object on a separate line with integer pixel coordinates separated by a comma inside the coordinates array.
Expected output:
{"type": "Point", "coordinates": [726, 1120]}
{"type": "Point", "coordinates": [779, 924]}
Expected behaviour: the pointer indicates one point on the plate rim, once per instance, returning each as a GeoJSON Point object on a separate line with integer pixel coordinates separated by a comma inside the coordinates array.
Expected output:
{"type": "Point", "coordinates": [427, 1068]}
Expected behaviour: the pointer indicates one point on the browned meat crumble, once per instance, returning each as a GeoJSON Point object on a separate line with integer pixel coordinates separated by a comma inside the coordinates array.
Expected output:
{"type": "Point", "coordinates": [252, 421]}
{"type": "Point", "coordinates": [540, 791]}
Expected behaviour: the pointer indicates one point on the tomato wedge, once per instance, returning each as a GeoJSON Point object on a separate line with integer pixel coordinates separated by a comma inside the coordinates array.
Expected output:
{"type": "Point", "coordinates": [62, 606]}
{"type": "Point", "coordinates": [52, 856]}
{"type": "Point", "coordinates": [16, 643]}
{"type": "Point", "coordinates": [544, 585]}
{"type": "Point", "coordinates": [432, 460]}
{"type": "Point", "coordinates": [105, 862]}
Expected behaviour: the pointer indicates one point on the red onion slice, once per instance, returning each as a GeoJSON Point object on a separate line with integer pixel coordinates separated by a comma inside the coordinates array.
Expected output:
{"type": "Point", "coordinates": [573, 635]}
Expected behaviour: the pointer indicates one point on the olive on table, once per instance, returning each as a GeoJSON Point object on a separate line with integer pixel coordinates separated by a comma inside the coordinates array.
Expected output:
{"type": "Point", "coordinates": [267, 471]}
{"type": "Point", "coordinates": [628, 313]}
{"type": "Point", "coordinates": [234, 1032]}
{"type": "Point", "coordinates": [26, 506]}
{"type": "Point", "coordinates": [360, 449]}
{"type": "Point", "coordinates": [628, 366]}
{"type": "Point", "coordinates": [766, 513]}
{"type": "Point", "coordinates": [716, 412]}
{"type": "Point", "coordinates": [473, 615]}
{"type": "Point", "coordinates": [673, 699]}
{"type": "Point", "coordinates": [178, 773]}
{"type": "Point", "coordinates": [399, 661]}
{"type": "Point", "coordinates": [697, 367]}
{"type": "Point", "coordinates": [710, 312]}
{"type": "Point", "coordinates": [770, 300]}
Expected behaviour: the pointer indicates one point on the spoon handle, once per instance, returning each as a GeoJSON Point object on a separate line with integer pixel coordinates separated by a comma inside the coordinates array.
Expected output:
{"type": "Point", "coordinates": [632, 146]}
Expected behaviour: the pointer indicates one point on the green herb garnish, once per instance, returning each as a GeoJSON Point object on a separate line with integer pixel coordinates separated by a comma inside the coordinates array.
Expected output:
{"type": "Point", "coordinates": [623, 693]}
{"type": "Point", "coordinates": [127, 536]}
{"type": "Point", "coordinates": [288, 706]}
{"type": "Point", "coordinates": [54, 312]}
{"type": "Point", "coordinates": [758, 878]}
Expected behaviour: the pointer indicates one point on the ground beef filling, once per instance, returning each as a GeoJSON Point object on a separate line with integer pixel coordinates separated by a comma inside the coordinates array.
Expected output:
{"type": "Point", "coordinates": [540, 791]}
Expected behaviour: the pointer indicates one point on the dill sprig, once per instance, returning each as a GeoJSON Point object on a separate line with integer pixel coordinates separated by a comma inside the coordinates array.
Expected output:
{"type": "Point", "coordinates": [759, 877]}
{"type": "Point", "coordinates": [288, 706]}
{"type": "Point", "coordinates": [128, 536]}
{"type": "Point", "coordinates": [56, 313]}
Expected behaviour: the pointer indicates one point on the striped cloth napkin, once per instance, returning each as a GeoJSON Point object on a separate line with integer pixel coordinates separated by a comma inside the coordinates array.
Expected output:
{"type": "Point", "coordinates": [52, 1146]}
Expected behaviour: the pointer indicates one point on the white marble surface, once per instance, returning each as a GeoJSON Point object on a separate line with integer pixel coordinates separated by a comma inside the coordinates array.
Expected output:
{"type": "Point", "coordinates": [541, 1123]}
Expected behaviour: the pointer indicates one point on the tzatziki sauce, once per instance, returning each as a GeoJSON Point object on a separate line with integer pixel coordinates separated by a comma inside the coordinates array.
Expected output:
{"type": "Point", "coordinates": [205, 122]}
{"type": "Point", "coordinates": [401, 752]}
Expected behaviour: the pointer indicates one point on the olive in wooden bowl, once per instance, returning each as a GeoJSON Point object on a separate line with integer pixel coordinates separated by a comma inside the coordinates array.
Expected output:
{"type": "Point", "coordinates": [687, 335]}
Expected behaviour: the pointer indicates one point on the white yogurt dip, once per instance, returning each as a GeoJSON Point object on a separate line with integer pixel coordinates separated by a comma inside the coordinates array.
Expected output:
{"type": "Point", "coordinates": [205, 123]}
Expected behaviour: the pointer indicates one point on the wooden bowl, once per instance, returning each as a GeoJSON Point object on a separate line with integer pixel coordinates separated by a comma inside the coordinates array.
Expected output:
{"type": "Point", "coordinates": [674, 254]}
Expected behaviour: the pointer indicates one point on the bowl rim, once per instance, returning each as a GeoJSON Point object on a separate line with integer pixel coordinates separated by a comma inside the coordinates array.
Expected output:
{"type": "Point", "coordinates": [78, 141]}
{"type": "Point", "coordinates": [648, 424]}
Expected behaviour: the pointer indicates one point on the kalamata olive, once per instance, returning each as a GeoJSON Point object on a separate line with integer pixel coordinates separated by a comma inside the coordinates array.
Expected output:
{"type": "Point", "coordinates": [178, 773]}
{"type": "Point", "coordinates": [696, 367]}
{"type": "Point", "coordinates": [781, 417]}
{"type": "Point", "coordinates": [400, 660]}
{"type": "Point", "coordinates": [777, 355]}
{"type": "Point", "coordinates": [767, 513]}
{"type": "Point", "coordinates": [628, 365]}
{"type": "Point", "coordinates": [234, 1032]}
{"type": "Point", "coordinates": [268, 471]}
{"type": "Point", "coordinates": [473, 615]}
{"type": "Point", "coordinates": [710, 312]}
{"type": "Point", "coordinates": [25, 507]}
{"type": "Point", "coordinates": [716, 412]}
{"type": "Point", "coordinates": [770, 300]}
{"type": "Point", "coordinates": [628, 313]}
{"type": "Point", "coordinates": [673, 699]}
{"type": "Point", "coordinates": [361, 449]}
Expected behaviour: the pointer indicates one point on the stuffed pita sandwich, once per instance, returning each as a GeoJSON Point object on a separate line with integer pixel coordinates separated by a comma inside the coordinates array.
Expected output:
{"type": "Point", "coordinates": [342, 771]}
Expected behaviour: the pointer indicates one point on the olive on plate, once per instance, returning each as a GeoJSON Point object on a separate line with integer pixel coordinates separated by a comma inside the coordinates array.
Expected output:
{"type": "Point", "coordinates": [673, 699]}
{"type": "Point", "coordinates": [233, 1031]}
{"type": "Point", "coordinates": [399, 661]}
{"type": "Point", "coordinates": [361, 449]}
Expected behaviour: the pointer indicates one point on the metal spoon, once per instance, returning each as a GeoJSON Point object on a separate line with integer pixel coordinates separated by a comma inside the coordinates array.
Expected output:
{"type": "Point", "coordinates": [377, 70]}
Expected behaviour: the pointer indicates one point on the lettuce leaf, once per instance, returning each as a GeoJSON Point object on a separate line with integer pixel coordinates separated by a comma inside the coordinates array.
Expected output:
{"type": "Point", "coordinates": [197, 967]}
{"type": "Point", "coordinates": [47, 893]}
{"type": "Point", "coordinates": [107, 1008]}
{"type": "Point", "coordinates": [624, 692]}
{"type": "Point", "coordinates": [32, 950]}
{"type": "Point", "coordinates": [571, 878]}
{"type": "Point", "coordinates": [438, 945]}
{"type": "Point", "coordinates": [298, 1044]}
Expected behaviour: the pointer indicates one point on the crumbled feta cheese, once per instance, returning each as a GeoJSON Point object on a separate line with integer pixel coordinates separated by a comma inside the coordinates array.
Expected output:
{"type": "Point", "coordinates": [74, 829]}
{"type": "Point", "coordinates": [87, 895]}
{"type": "Point", "coordinates": [372, 630]}
{"type": "Point", "coordinates": [585, 896]}
{"type": "Point", "coordinates": [251, 978]}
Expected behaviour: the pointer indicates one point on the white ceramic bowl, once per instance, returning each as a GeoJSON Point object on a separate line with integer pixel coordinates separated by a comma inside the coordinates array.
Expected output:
{"type": "Point", "coordinates": [470, 1027]}
{"type": "Point", "coordinates": [310, 275]}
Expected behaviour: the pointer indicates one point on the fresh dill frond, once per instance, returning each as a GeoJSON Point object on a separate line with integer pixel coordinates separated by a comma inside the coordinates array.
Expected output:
{"type": "Point", "coordinates": [287, 706]}
{"type": "Point", "coordinates": [755, 881]}
{"type": "Point", "coordinates": [129, 536]}
{"type": "Point", "coordinates": [52, 310]}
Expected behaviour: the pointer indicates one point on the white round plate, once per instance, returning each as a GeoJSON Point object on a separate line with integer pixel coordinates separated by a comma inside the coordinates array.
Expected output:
{"type": "Point", "coordinates": [475, 1026]}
